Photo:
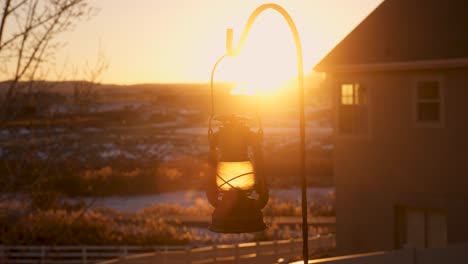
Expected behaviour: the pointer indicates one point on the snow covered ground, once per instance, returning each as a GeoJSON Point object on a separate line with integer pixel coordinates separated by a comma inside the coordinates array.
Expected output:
{"type": "Point", "coordinates": [189, 198]}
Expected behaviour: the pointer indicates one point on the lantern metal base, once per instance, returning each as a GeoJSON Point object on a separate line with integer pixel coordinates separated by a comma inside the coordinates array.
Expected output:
{"type": "Point", "coordinates": [237, 214]}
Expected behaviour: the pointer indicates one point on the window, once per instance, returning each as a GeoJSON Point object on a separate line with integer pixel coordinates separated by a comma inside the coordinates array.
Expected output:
{"type": "Point", "coordinates": [421, 228]}
{"type": "Point", "coordinates": [353, 109]}
{"type": "Point", "coordinates": [428, 102]}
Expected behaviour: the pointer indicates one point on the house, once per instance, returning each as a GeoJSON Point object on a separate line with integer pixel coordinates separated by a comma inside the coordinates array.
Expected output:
{"type": "Point", "coordinates": [400, 89]}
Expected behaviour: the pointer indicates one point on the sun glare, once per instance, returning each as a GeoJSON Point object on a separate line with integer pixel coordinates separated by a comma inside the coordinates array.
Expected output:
{"type": "Point", "coordinates": [242, 89]}
{"type": "Point", "coordinates": [267, 60]}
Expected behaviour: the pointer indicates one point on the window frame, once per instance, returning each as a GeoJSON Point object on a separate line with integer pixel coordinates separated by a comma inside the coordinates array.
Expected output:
{"type": "Point", "coordinates": [354, 134]}
{"type": "Point", "coordinates": [415, 101]}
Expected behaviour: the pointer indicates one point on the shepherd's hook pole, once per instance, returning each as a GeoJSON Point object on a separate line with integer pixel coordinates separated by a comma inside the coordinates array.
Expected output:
{"type": "Point", "coordinates": [300, 78]}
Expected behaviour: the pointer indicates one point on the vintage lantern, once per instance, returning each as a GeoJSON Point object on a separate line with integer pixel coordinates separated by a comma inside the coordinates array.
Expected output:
{"type": "Point", "coordinates": [237, 187]}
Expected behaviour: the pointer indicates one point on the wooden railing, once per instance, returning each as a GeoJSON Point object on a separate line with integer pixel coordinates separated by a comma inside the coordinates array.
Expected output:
{"type": "Point", "coordinates": [243, 253]}
{"type": "Point", "coordinates": [236, 253]}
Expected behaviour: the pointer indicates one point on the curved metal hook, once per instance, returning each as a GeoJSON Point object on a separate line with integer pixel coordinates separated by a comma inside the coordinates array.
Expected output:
{"type": "Point", "coordinates": [210, 131]}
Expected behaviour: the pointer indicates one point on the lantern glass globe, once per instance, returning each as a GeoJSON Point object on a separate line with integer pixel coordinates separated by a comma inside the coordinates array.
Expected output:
{"type": "Point", "coordinates": [239, 175]}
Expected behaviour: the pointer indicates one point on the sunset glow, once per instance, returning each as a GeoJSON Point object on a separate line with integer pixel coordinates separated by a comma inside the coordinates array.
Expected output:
{"type": "Point", "coordinates": [268, 58]}
{"type": "Point", "coordinates": [178, 41]}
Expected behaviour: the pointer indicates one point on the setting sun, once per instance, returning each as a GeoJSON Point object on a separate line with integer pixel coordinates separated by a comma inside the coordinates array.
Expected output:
{"type": "Point", "coordinates": [266, 61]}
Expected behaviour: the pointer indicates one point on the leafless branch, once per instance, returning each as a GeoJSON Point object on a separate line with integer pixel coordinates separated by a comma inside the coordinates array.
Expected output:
{"type": "Point", "coordinates": [24, 46]}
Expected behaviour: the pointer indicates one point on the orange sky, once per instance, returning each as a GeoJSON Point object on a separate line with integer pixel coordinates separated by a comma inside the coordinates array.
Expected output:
{"type": "Point", "coordinates": [149, 41]}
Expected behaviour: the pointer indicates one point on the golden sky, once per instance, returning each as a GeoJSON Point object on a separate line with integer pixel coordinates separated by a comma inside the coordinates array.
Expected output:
{"type": "Point", "coordinates": [161, 41]}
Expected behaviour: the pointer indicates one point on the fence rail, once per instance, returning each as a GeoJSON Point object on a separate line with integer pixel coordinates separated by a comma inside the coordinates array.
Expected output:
{"type": "Point", "coordinates": [236, 253]}
{"type": "Point", "coordinates": [72, 254]}
{"type": "Point", "coordinates": [243, 253]}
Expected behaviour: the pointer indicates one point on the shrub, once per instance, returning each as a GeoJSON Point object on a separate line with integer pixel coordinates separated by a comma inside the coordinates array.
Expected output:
{"type": "Point", "coordinates": [94, 227]}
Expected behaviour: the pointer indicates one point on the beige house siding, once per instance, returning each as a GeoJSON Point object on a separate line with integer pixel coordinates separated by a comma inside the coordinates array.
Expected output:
{"type": "Point", "coordinates": [400, 162]}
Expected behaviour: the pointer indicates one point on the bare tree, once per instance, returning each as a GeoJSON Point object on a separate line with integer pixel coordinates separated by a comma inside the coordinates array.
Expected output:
{"type": "Point", "coordinates": [84, 92]}
{"type": "Point", "coordinates": [28, 39]}
{"type": "Point", "coordinates": [29, 31]}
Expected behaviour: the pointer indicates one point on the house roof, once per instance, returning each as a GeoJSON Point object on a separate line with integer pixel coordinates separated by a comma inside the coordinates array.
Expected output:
{"type": "Point", "coordinates": [399, 32]}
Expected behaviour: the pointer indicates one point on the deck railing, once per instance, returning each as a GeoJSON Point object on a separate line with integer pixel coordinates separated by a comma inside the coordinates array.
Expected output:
{"type": "Point", "coordinates": [235, 253]}
{"type": "Point", "coordinates": [243, 253]}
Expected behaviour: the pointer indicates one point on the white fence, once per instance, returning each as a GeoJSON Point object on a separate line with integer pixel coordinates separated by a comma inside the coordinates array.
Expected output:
{"type": "Point", "coordinates": [455, 254]}
{"type": "Point", "coordinates": [237, 253]}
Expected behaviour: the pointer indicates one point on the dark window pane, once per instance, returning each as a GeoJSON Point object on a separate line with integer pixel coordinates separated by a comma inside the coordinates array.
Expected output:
{"type": "Point", "coordinates": [428, 112]}
{"type": "Point", "coordinates": [428, 90]}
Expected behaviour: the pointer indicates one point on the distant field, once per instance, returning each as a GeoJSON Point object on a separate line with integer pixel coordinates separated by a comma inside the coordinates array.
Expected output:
{"type": "Point", "coordinates": [148, 139]}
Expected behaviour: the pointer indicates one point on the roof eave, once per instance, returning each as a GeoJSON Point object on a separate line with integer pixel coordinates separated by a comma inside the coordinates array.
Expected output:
{"type": "Point", "coordinates": [395, 66]}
